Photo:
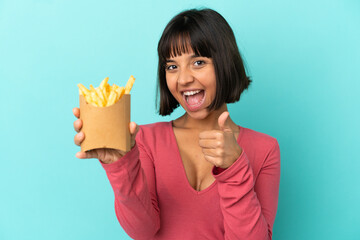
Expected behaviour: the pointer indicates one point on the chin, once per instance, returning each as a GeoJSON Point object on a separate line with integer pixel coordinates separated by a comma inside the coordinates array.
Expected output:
{"type": "Point", "coordinates": [199, 115]}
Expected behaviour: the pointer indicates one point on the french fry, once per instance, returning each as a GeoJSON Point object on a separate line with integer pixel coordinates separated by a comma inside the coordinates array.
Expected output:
{"type": "Point", "coordinates": [88, 98]}
{"type": "Point", "coordinates": [129, 84]}
{"type": "Point", "coordinates": [108, 89]}
{"type": "Point", "coordinates": [112, 98]}
{"type": "Point", "coordinates": [120, 91]}
{"type": "Point", "coordinates": [92, 89]}
{"type": "Point", "coordinates": [95, 99]}
{"type": "Point", "coordinates": [104, 92]}
{"type": "Point", "coordinates": [101, 96]}
{"type": "Point", "coordinates": [103, 88]}
{"type": "Point", "coordinates": [91, 100]}
{"type": "Point", "coordinates": [84, 91]}
{"type": "Point", "coordinates": [99, 101]}
{"type": "Point", "coordinates": [105, 95]}
{"type": "Point", "coordinates": [113, 89]}
{"type": "Point", "coordinates": [103, 83]}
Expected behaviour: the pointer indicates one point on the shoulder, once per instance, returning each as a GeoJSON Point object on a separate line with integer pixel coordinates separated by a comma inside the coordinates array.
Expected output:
{"type": "Point", "coordinates": [256, 138]}
{"type": "Point", "coordinates": [153, 129]}
{"type": "Point", "coordinates": [154, 135]}
{"type": "Point", "coordinates": [260, 148]}
{"type": "Point", "coordinates": [154, 126]}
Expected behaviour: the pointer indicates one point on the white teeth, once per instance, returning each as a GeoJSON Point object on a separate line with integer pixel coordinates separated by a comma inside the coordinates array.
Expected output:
{"type": "Point", "coordinates": [189, 93]}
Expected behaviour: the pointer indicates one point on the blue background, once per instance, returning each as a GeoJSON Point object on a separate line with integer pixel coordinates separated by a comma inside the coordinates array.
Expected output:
{"type": "Point", "coordinates": [303, 57]}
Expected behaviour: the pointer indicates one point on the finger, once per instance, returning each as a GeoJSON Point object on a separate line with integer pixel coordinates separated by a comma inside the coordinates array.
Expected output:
{"type": "Point", "coordinates": [77, 125]}
{"type": "Point", "coordinates": [210, 152]}
{"type": "Point", "coordinates": [134, 128]}
{"type": "Point", "coordinates": [213, 160]}
{"type": "Point", "coordinates": [212, 143]}
{"type": "Point", "coordinates": [223, 122]}
{"type": "Point", "coordinates": [79, 138]}
{"type": "Point", "coordinates": [87, 154]}
{"type": "Point", "coordinates": [213, 134]}
{"type": "Point", "coordinates": [76, 112]}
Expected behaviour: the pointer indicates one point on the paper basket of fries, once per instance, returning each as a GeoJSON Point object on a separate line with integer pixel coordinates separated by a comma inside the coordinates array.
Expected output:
{"type": "Point", "coordinates": [105, 113]}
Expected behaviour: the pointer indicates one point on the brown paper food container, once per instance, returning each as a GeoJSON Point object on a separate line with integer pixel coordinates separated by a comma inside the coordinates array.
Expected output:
{"type": "Point", "coordinates": [106, 127]}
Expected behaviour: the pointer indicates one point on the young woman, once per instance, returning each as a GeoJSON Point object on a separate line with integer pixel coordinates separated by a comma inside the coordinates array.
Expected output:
{"type": "Point", "coordinates": [200, 176]}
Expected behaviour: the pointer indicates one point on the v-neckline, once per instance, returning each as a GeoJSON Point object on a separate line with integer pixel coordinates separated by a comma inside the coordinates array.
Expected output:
{"type": "Point", "coordinates": [179, 159]}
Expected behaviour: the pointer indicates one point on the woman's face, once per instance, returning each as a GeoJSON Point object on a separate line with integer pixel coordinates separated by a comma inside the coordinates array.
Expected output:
{"type": "Point", "coordinates": [191, 80]}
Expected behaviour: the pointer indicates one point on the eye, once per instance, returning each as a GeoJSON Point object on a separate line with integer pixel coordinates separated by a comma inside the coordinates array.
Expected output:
{"type": "Point", "coordinates": [170, 67]}
{"type": "Point", "coordinates": [199, 62]}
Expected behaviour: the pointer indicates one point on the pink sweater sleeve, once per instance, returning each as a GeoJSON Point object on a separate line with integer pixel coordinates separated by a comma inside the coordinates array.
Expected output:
{"type": "Point", "coordinates": [133, 180]}
{"type": "Point", "coordinates": [249, 206]}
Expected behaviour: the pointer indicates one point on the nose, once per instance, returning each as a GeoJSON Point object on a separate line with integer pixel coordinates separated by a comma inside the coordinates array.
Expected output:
{"type": "Point", "coordinates": [185, 76]}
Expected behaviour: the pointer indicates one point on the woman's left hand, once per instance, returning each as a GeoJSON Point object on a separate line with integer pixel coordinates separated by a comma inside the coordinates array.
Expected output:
{"type": "Point", "coordinates": [220, 146]}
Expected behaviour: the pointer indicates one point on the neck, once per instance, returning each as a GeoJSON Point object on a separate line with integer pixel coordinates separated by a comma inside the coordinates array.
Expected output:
{"type": "Point", "coordinates": [210, 122]}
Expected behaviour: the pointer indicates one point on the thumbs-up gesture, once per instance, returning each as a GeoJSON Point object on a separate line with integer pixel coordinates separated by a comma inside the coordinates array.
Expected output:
{"type": "Point", "coordinates": [220, 146]}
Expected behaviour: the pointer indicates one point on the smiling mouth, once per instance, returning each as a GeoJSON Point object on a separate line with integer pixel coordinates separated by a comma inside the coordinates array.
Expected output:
{"type": "Point", "coordinates": [194, 99]}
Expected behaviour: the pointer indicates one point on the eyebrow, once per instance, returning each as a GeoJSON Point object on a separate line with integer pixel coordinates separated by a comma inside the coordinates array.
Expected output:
{"type": "Point", "coordinates": [192, 56]}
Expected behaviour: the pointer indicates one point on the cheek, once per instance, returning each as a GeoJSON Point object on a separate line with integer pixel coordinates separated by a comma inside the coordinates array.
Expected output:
{"type": "Point", "coordinates": [171, 82]}
{"type": "Point", "coordinates": [211, 88]}
{"type": "Point", "coordinates": [213, 84]}
{"type": "Point", "coordinates": [169, 85]}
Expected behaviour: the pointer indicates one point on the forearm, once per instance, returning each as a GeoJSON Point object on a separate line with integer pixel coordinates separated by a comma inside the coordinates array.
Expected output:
{"type": "Point", "coordinates": [135, 208]}
{"type": "Point", "coordinates": [249, 214]}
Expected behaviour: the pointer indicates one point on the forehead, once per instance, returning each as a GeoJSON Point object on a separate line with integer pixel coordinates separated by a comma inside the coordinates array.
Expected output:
{"type": "Point", "coordinates": [184, 55]}
{"type": "Point", "coordinates": [179, 46]}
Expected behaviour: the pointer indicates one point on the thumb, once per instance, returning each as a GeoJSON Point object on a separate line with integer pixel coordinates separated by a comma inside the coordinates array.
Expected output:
{"type": "Point", "coordinates": [134, 128]}
{"type": "Point", "coordinates": [223, 122]}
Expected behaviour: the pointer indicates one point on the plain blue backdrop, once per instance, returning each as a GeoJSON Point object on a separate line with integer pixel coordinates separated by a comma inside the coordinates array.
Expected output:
{"type": "Point", "coordinates": [303, 58]}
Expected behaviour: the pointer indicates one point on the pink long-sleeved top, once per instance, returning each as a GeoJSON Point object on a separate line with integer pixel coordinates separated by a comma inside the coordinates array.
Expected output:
{"type": "Point", "coordinates": [154, 200]}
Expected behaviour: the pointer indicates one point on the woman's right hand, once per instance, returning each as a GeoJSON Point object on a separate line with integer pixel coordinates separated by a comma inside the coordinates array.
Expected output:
{"type": "Point", "coordinates": [105, 155]}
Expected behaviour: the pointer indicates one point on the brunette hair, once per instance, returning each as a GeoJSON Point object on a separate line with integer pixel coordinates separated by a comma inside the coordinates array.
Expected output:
{"type": "Point", "coordinates": [209, 35]}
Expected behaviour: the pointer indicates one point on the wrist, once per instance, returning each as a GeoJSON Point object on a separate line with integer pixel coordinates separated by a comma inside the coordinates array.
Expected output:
{"type": "Point", "coordinates": [112, 156]}
{"type": "Point", "coordinates": [108, 161]}
{"type": "Point", "coordinates": [237, 154]}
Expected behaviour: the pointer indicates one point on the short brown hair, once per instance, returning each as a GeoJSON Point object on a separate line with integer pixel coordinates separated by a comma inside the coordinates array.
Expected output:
{"type": "Point", "coordinates": [209, 35]}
